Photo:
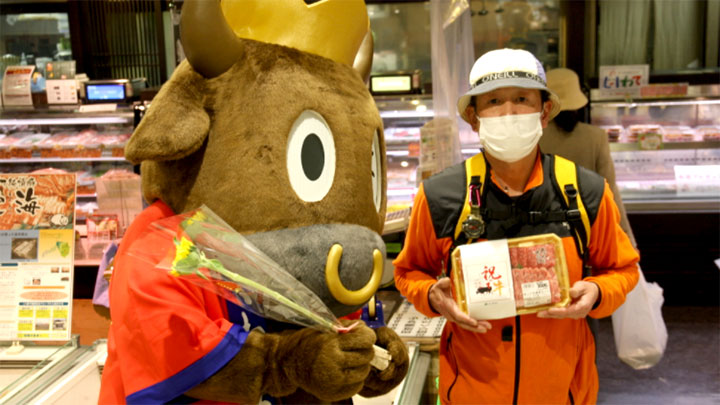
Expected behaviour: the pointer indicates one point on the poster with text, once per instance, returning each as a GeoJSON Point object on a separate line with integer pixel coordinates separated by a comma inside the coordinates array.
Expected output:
{"type": "Point", "coordinates": [37, 242]}
{"type": "Point", "coordinates": [623, 80]}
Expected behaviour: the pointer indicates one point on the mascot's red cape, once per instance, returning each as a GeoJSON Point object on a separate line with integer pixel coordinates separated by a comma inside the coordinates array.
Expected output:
{"type": "Point", "coordinates": [270, 125]}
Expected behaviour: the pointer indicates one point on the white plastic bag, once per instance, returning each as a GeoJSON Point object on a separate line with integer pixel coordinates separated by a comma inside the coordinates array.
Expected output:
{"type": "Point", "coordinates": [638, 326]}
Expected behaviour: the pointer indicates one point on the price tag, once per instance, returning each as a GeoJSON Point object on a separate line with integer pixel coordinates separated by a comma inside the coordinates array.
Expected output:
{"type": "Point", "coordinates": [16, 86]}
{"type": "Point", "coordinates": [61, 91]}
{"type": "Point", "coordinates": [697, 180]}
{"type": "Point", "coordinates": [650, 141]}
{"type": "Point", "coordinates": [536, 293]}
{"type": "Point", "coordinates": [664, 90]}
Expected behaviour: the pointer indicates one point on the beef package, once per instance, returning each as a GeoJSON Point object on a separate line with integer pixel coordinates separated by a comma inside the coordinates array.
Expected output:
{"type": "Point", "coordinates": [502, 278]}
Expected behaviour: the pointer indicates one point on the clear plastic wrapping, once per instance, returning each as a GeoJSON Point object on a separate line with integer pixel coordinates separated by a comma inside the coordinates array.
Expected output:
{"type": "Point", "coordinates": [531, 272]}
{"type": "Point", "coordinates": [210, 254]}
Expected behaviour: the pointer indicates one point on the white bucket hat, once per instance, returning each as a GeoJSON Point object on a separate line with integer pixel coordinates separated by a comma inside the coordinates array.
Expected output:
{"type": "Point", "coordinates": [506, 68]}
{"type": "Point", "coordinates": [566, 84]}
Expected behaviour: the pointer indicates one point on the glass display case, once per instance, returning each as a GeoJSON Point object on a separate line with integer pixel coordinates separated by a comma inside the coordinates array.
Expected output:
{"type": "Point", "coordinates": [402, 32]}
{"type": "Point", "coordinates": [666, 152]}
{"type": "Point", "coordinates": [403, 116]}
{"type": "Point", "coordinates": [67, 374]}
{"type": "Point", "coordinates": [86, 143]}
{"type": "Point", "coordinates": [403, 119]}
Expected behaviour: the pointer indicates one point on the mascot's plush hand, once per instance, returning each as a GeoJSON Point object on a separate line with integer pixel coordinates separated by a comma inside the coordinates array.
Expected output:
{"type": "Point", "coordinates": [328, 366]}
{"type": "Point", "coordinates": [339, 363]}
{"type": "Point", "coordinates": [380, 382]}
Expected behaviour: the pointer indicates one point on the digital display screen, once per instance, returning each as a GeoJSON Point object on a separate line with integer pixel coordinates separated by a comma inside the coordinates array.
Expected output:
{"type": "Point", "coordinates": [109, 92]}
{"type": "Point", "coordinates": [390, 84]}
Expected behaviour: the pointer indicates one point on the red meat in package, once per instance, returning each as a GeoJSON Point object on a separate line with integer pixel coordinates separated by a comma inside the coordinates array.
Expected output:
{"type": "Point", "coordinates": [533, 271]}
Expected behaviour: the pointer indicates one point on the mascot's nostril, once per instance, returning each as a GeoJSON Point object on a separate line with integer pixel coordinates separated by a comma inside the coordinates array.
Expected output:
{"type": "Point", "coordinates": [335, 285]}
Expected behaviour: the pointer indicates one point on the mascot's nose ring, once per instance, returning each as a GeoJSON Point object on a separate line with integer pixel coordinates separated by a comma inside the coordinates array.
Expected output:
{"type": "Point", "coordinates": [338, 290]}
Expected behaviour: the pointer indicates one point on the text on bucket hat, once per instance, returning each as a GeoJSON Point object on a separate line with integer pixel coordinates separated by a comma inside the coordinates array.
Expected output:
{"type": "Point", "coordinates": [506, 68]}
{"type": "Point", "coordinates": [566, 84]}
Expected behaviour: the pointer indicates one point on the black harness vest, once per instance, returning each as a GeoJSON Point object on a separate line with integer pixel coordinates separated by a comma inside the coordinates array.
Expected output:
{"type": "Point", "coordinates": [537, 211]}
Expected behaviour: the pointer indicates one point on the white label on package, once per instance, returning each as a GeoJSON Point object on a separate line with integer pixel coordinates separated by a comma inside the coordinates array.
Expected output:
{"type": "Point", "coordinates": [536, 293]}
{"type": "Point", "coordinates": [488, 281]}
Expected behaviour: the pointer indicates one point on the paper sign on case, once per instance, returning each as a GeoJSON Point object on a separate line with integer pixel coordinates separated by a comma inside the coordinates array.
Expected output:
{"type": "Point", "coordinates": [623, 80]}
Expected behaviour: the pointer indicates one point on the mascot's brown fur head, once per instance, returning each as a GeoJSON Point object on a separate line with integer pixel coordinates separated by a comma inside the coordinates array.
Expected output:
{"type": "Point", "coordinates": [285, 145]}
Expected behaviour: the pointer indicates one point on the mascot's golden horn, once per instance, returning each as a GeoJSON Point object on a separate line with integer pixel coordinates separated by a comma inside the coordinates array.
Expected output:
{"type": "Point", "coordinates": [211, 46]}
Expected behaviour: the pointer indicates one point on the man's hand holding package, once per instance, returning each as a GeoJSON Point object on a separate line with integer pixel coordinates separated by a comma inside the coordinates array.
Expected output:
{"type": "Point", "coordinates": [441, 300]}
{"type": "Point", "coordinates": [584, 294]}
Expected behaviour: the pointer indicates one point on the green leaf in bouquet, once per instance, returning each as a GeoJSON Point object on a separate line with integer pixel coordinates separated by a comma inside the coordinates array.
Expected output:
{"type": "Point", "coordinates": [188, 259]}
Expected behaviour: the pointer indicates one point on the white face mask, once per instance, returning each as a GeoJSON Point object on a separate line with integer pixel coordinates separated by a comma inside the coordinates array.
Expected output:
{"type": "Point", "coordinates": [510, 137]}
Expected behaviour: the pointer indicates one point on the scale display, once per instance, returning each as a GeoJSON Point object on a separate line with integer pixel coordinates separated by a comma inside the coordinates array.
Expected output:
{"type": "Point", "coordinates": [105, 92]}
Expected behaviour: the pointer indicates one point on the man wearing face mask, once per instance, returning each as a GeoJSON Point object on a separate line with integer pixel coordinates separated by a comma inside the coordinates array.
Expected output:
{"type": "Point", "coordinates": [547, 357]}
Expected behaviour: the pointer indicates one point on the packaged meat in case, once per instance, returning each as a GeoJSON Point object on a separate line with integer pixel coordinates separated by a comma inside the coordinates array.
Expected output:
{"type": "Point", "coordinates": [637, 133]}
{"type": "Point", "coordinates": [679, 133]}
{"type": "Point", "coordinates": [113, 142]}
{"type": "Point", "coordinates": [20, 145]}
{"type": "Point", "coordinates": [614, 132]}
{"type": "Point", "coordinates": [70, 145]}
{"type": "Point", "coordinates": [507, 277]}
{"type": "Point", "coordinates": [709, 132]}
{"type": "Point", "coordinates": [6, 143]}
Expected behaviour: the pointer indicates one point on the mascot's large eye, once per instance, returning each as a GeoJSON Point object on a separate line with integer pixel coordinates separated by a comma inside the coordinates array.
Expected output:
{"type": "Point", "coordinates": [311, 156]}
{"type": "Point", "coordinates": [376, 169]}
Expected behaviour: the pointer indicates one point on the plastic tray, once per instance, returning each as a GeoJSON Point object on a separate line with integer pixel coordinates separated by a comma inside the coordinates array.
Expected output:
{"type": "Point", "coordinates": [559, 268]}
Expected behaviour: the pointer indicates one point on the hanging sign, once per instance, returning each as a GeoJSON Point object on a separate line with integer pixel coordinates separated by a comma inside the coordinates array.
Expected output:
{"type": "Point", "coordinates": [37, 245]}
{"type": "Point", "coordinates": [16, 86]}
{"type": "Point", "coordinates": [623, 80]}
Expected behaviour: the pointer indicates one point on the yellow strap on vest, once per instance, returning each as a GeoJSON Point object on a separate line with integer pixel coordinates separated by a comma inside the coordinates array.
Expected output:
{"type": "Point", "coordinates": [475, 166]}
{"type": "Point", "coordinates": [566, 173]}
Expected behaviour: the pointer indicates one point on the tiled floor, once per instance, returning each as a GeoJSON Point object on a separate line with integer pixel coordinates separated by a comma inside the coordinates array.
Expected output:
{"type": "Point", "coordinates": [689, 372]}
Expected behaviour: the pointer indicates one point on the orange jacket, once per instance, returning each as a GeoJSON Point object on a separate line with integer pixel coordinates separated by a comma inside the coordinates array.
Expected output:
{"type": "Point", "coordinates": [554, 359]}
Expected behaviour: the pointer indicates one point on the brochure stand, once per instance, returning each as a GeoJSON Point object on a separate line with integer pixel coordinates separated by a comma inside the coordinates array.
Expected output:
{"type": "Point", "coordinates": [37, 239]}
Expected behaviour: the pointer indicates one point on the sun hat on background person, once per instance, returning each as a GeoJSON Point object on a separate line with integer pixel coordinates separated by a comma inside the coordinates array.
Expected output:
{"type": "Point", "coordinates": [506, 68]}
{"type": "Point", "coordinates": [566, 84]}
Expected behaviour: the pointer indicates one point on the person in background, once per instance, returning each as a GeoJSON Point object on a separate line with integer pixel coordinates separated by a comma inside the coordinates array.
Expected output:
{"type": "Point", "coordinates": [543, 357]}
{"type": "Point", "coordinates": [584, 144]}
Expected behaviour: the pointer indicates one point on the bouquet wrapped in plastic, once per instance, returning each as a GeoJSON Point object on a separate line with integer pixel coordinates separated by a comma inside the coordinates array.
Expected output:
{"type": "Point", "coordinates": [211, 254]}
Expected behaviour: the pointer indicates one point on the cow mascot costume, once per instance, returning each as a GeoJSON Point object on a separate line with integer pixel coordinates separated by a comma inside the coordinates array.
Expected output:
{"type": "Point", "coordinates": [269, 124]}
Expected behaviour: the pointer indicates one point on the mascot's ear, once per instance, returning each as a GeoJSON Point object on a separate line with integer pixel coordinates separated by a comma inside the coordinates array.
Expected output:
{"type": "Point", "coordinates": [176, 124]}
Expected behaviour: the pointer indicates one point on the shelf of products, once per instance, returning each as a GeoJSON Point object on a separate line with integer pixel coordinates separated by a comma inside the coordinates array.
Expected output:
{"type": "Point", "coordinates": [404, 117]}
{"type": "Point", "coordinates": [666, 152]}
{"type": "Point", "coordinates": [88, 144]}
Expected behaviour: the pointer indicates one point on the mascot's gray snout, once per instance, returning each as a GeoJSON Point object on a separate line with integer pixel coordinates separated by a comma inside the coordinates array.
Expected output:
{"type": "Point", "coordinates": [321, 255]}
